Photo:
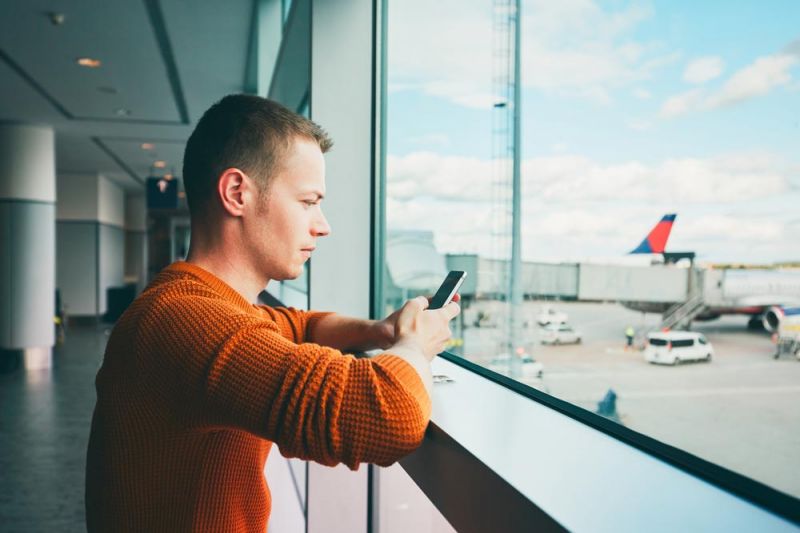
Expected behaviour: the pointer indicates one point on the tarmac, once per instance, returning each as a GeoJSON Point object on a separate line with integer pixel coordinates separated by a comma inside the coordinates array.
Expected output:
{"type": "Point", "coordinates": [740, 411]}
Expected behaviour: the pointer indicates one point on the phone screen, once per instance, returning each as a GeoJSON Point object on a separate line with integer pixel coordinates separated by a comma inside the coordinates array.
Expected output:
{"type": "Point", "coordinates": [448, 289]}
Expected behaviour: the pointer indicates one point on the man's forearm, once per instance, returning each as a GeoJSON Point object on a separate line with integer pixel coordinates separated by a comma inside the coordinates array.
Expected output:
{"type": "Point", "coordinates": [351, 334]}
{"type": "Point", "coordinates": [356, 334]}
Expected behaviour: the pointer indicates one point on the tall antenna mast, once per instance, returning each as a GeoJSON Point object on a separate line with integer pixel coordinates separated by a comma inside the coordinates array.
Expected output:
{"type": "Point", "coordinates": [506, 156]}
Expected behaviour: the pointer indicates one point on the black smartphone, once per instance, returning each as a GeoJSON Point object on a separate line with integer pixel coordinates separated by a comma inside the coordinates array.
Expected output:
{"type": "Point", "coordinates": [448, 289]}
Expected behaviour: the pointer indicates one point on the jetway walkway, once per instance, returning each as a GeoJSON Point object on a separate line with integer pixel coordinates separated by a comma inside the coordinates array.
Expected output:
{"type": "Point", "coordinates": [658, 285]}
{"type": "Point", "coordinates": [680, 295]}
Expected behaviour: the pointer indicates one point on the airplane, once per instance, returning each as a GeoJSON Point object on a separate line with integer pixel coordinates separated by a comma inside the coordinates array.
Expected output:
{"type": "Point", "coordinates": [741, 291]}
{"type": "Point", "coordinates": [651, 251]}
{"type": "Point", "coordinates": [656, 240]}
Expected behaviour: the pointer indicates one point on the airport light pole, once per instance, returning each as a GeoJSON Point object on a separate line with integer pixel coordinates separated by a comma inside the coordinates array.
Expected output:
{"type": "Point", "coordinates": [515, 293]}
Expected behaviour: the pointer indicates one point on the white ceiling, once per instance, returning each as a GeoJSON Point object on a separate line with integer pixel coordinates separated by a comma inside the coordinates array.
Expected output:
{"type": "Point", "coordinates": [166, 61]}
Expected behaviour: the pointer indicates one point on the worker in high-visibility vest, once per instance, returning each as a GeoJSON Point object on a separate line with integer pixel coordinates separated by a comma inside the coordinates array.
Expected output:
{"type": "Point", "coordinates": [629, 334]}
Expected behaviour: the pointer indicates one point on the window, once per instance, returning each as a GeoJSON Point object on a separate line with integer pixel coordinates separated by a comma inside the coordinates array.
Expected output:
{"type": "Point", "coordinates": [649, 127]}
{"type": "Point", "coordinates": [682, 343]}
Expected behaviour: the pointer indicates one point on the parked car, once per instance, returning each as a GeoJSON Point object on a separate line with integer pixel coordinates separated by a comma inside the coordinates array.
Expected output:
{"type": "Point", "coordinates": [530, 367]}
{"type": "Point", "coordinates": [560, 334]}
{"type": "Point", "coordinates": [550, 316]}
{"type": "Point", "coordinates": [675, 347]}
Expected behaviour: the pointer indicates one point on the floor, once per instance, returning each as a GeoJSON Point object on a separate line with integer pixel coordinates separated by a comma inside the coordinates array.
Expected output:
{"type": "Point", "coordinates": [45, 416]}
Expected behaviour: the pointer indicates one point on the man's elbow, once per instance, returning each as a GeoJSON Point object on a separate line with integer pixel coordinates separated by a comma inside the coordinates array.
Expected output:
{"type": "Point", "coordinates": [403, 437]}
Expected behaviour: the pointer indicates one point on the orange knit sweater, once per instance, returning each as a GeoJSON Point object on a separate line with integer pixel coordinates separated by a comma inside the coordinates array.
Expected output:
{"type": "Point", "coordinates": [197, 383]}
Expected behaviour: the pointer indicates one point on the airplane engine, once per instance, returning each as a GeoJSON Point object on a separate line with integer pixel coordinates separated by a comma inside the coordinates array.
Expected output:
{"type": "Point", "coordinates": [777, 315]}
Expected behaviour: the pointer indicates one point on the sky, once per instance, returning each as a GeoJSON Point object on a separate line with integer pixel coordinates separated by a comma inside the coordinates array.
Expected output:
{"type": "Point", "coordinates": [630, 110]}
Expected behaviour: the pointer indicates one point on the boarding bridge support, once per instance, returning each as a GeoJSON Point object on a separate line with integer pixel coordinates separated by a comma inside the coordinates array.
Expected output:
{"type": "Point", "coordinates": [681, 314]}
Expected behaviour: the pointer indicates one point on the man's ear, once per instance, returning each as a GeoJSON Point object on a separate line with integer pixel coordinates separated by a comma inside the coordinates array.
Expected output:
{"type": "Point", "coordinates": [232, 188]}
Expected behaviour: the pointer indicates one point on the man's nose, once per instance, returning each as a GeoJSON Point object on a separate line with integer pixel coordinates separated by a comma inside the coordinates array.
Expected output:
{"type": "Point", "coordinates": [321, 228]}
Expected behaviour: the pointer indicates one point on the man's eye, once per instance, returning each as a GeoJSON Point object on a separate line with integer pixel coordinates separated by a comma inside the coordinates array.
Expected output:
{"type": "Point", "coordinates": [310, 203]}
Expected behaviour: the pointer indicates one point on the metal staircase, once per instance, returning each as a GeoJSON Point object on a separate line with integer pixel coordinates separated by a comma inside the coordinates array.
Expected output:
{"type": "Point", "coordinates": [681, 314]}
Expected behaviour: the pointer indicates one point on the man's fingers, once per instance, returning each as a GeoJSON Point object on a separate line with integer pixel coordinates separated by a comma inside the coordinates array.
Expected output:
{"type": "Point", "coordinates": [451, 310]}
{"type": "Point", "coordinates": [423, 301]}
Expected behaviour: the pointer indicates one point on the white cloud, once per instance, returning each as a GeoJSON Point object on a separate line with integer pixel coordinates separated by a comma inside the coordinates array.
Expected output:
{"type": "Point", "coordinates": [570, 45]}
{"type": "Point", "coordinates": [642, 94]}
{"type": "Point", "coordinates": [682, 103]}
{"type": "Point", "coordinates": [759, 78]}
{"type": "Point", "coordinates": [721, 226]}
{"type": "Point", "coordinates": [703, 69]}
{"type": "Point", "coordinates": [574, 207]}
{"type": "Point", "coordinates": [756, 79]}
{"type": "Point", "coordinates": [566, 178]}
{"type": "Point", "coordinates": [426, 174]}
{"type": "Point", "coordinates": [460, 94]}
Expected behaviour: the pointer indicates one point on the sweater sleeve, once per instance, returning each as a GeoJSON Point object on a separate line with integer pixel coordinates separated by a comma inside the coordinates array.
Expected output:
{"type": "Point", "coordinates": [313, 401]}
{"type": "Point", "coordinates": [294, 323]}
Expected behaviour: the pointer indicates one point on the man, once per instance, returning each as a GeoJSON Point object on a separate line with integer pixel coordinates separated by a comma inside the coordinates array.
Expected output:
{"type": "Point", "coordinates": [629, 334]}
{"type": "Point", "coordinates": [197, 382]}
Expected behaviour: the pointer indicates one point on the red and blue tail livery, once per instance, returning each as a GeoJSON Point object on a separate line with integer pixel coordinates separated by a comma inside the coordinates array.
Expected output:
{"type": "Point", "coordinates": [656, 240]}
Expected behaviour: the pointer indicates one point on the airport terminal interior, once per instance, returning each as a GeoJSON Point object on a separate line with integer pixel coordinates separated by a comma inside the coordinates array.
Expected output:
{"type": "Point", "coordinates": [619, 182]}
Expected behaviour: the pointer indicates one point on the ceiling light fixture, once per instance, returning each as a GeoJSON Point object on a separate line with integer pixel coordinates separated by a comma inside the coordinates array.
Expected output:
{"type": "Point", "coordinates": [148, 146]}
{"type": "Point", "coordinates": [56, 19]}
{"type": "Point", "coordinates": [88, 62]}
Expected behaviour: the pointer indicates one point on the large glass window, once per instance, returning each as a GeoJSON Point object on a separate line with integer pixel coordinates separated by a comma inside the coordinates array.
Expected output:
{"type": "Point", "coordinates": [660, 184]}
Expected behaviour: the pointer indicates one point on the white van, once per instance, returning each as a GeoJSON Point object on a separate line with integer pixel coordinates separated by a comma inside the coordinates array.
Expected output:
{"type": "Point", "coordinates": [675, 347]}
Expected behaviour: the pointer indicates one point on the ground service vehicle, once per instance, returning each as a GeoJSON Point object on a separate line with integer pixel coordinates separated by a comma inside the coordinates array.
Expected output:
{"type": "Point", "coordinates": [675, 347]}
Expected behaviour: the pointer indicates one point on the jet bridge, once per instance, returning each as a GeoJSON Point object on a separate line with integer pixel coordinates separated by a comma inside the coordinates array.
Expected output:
{"type": "Point", "coordinates": [658, 284]}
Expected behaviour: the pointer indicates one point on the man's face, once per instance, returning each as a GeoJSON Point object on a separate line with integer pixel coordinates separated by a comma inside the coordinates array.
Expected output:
{"type": "Point", "coordinates": [289, 219]}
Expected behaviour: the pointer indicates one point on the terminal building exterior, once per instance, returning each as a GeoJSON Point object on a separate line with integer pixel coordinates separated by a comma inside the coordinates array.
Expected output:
{"type": "Point", "coordinates": [79, 144]}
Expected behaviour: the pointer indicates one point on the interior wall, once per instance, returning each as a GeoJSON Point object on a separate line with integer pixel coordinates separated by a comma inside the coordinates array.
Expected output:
{"type": "Point", "coordinates": [111, 261]}
{"type": "Point", "coordinates": [76, 266]}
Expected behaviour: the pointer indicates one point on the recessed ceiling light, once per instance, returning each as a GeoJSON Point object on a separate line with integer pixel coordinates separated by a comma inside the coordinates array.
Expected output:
{"type": "Point", "coordinates": [56, 19]}
{"type": "Point", "coordinates": [122, 112]}
{"type": "Point", "coordinates": [89, 62]}
{"type": "Point", "coordinates": [148, 146]}
{"type": "Point", "coordinates": [159, 164]}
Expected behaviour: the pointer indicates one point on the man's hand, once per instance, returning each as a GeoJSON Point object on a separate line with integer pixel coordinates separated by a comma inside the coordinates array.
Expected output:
{"type": "Point", "coordinates": [422, 329]}
{"type": "Point", "coordinates": [386, 328]}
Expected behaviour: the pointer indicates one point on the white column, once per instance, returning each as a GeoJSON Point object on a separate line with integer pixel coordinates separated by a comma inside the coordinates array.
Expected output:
{"type": "Point", "coordinates": [27, 241]}
{"type": "Point", "coordinates": [342, 44]}
{"type": "Point", "coordinates": [91, 242]}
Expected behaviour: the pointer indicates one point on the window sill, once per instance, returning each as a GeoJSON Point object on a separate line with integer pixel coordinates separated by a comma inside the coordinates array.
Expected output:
{"type": "Point", "coordinates": [491, 454]}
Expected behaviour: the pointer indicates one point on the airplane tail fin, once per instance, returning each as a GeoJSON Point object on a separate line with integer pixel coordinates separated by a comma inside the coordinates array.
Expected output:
{"type": "Point", "coordinates": [656, 240]}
